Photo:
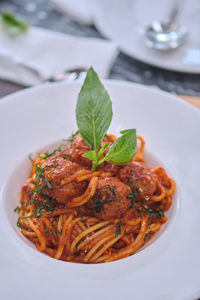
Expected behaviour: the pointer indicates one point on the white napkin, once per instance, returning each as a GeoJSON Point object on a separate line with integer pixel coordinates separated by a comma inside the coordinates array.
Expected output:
{"type": "Point", "coordinates": [81, 10]}
{"type": "Point", "coordinates": [50, 53]}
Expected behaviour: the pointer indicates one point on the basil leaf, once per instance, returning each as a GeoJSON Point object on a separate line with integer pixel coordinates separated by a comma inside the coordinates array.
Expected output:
{"type": "Point", "coordinates": [124, 148]}
{"type": "Point", "coordinates": [96, 157]}
{"type": "Point", "coordinates": [13, 24]}
{"type": "Point", "coordinates": [93, 110]}
{"type": "Point", "coordinates": [90, 155]}
{"type": "Point", "coordinates": [103, 149]}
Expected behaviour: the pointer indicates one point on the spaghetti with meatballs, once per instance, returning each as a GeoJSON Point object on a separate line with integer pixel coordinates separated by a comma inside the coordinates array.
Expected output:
{"type": "Point", "coordinates": [95, 199]}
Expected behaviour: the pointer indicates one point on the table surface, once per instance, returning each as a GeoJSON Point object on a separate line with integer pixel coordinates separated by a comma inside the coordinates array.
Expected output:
{"type": "Point", "coordinates": [42, 13]}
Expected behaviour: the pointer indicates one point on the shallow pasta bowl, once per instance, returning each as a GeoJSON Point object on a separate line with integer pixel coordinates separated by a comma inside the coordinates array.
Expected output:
{"type": "Point", "coordinates": [168, 267]}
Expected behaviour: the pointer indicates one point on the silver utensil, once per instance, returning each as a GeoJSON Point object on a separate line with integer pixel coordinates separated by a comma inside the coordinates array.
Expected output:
{"type": "Point", "coordinates": [168, 34]}
{"type": "Point", "coordinates": [69, 74]}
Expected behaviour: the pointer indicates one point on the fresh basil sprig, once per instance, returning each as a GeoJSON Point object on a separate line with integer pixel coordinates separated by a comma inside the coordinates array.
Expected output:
{"type": "Point", "coordinates": [121, 151]}
{"type": "Point", "coordinates": [93, 110]}
{"type": "Point", "coordinates": [96, 156]}
{"type": "Point", "coordinates": [13, 24]}
{"type": "Point", "coordinates": [93, 116]}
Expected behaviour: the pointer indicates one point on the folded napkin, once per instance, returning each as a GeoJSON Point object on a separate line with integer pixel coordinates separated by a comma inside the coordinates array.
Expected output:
{"type": "Point", "coordinates": [50, 53]}
{"type": "Point", "coordinates": [81, 10]}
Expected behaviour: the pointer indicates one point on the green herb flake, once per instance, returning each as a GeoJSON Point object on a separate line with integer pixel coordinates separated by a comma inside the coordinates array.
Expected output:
{"type": "Point", "coordinates": [99, 203]}
{"type": "Point", "coordinates": [47, 204]}
{"type": "Point", "coordinates": [47, 183]}
{"type": "Point", "coordinates": [118, 229]}
{"type": "Point", "coordinates": [13, 24]}
{"type": "Point", "coordinates": [30, 158]}
{"type": "Point", "coordinates": [133, 197]}
{"type": "Point", "coordinates": [47, 154]}
{"type": "Point", "coordinates": [39, 174]}
{"type": "Point", "coordinates": [66, 157]}
{"type": "Point", "coordinates": [19, 224]}
{"type": "Point", "coordinates": [56, 230]}
{"type": "Point", "coordinates": [51, 231]}
{"type": "Point", "coordinates": [152, 213]}
{"type": "Point", "coordinates": [17, 209]}
{"type": "Point", "coordinates": [82, 218]}
{"type": "Point", "coordinates": [147, 235]}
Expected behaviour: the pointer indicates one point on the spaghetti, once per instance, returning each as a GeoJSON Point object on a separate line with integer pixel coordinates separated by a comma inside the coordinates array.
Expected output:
{"type": "Point", "coordinates": [74, 214]}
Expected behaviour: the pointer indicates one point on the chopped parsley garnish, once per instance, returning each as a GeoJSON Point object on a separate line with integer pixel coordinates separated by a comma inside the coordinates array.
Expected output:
{"type": "Point", "coordinates": [56, 230]}
{"type": "Point", "coordinates": [118, 229]}
{"type": "Point", "coordinates": [47, 154]}
{"type": "Point", "coordinates": [82, 218]}
{"type": "Point", "coordinates": [19, 224]}
{"type": "Point", "coordinates": [112, 193]}
{"type": "Point", "coordinates": [24, 218]}
{"type": "Point", "coordinates": [134, 192]}
{"type": "Point", "coordinates": [147, 235]}
{"type": "Point", "coordinates": [129, 177]}
{"type": "Point", "coordinates": [51, 231]}
{"type": "Point", "coordinates": [17, 209]}
{"type": "Point", "coordinates": [48, 202]}
{"type": "Point", "coordinates": [47, 183]}
{"type": "Point", "coordinates": [30, 158]}
{"type": "Point", "coordinates": [39, 175]}
{"type": "Point", "coordinates": [132, 185]}
{"type": "Point", "coordinates": [54, 164]}
{"type": "Point", "coordinates": [133, 196]}
{"type": "Point", "coordinates": [152, 213]}
{"type": "Point", "coordinates": [99, 203]}
{"type": "Point", "coordinates": [43, 205]}
{"type": "Point", "coordinates": [66, 157]}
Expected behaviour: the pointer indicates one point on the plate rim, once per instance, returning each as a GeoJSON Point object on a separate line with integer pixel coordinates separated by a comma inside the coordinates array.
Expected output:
{"type": "Point", "coordinates": [153, 89]}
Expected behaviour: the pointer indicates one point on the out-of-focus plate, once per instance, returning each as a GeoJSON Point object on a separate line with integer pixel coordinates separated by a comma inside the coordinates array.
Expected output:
{"type": "Point", "coordinates": [80, 10]}
{"type": "Point", "coordinates": [124, 22]}
{"type": "Point", "coordinates": [169, 267]}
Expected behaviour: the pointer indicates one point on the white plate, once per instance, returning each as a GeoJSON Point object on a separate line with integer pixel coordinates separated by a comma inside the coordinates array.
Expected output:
{"type": "Point", "coordinates": [80, 10]}
{"type": "Point", "coordinates": [124, 22]}
{"type": "Point", "coordinates": [168, 268]}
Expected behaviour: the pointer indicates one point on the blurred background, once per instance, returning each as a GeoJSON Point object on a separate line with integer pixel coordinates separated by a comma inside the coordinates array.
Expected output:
{"type": "Point", "coordinates": [135, 67]}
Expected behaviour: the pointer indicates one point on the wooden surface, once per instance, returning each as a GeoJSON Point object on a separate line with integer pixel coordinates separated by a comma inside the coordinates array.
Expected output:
{"type": "Point", "coordinates": [192, 100]}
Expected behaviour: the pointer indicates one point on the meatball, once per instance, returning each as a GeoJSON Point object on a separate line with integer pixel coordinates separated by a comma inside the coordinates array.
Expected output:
{"type": "Point", "coordinates": [54, 171]}
{"type": "Point", "coordinates": [109, 168]}
{"type": "Point", "coordinates": [78, 147]}
{"type": "Point", "coordinates": [75, 150]}
{"type": "Point", "coordinates": [109, 138]}
{"type": "Point", "coordinates": [110, 200]}
{"type": "Point", "coordinates": [143, 178]}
